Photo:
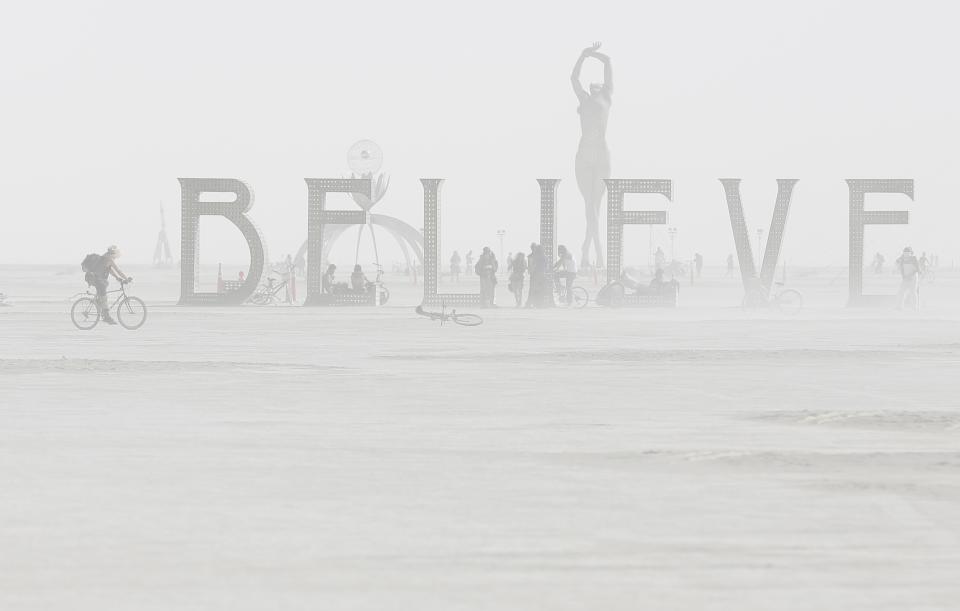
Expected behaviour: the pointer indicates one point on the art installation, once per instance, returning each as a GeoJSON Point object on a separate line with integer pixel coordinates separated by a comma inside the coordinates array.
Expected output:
{"type": "Point", "coordinates": [318, 216]}
{"type": "Point", "coordinates": [324, 226]}
{"type": "Point", "coordinates": [431, 251]}
{"type": "Point", "coordinates": [617, 217]}
{"type": "Point", "coordinates": [593, 157]}
{"type": "Point", "coordinates": [757, 289]}
{"type": "Point", "coordinates": [365, 159]}
{"type": "Point", "coordinates": [236, 212]}
{"type": "Point", "coordinates": [548, 220]}
{"type": "Point", "coordinates": [859, 218]}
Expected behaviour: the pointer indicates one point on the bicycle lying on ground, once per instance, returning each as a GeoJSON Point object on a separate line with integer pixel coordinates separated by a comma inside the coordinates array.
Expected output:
{"type": "Point", "coordinates": [466, 320]}
{"type": "Point", "coordinates": [131, 311]}
{"type": "Point", "coordinates": [788, 301]}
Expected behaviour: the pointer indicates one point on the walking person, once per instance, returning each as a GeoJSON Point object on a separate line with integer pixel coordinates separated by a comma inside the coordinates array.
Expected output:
{"type": "Point", "coordinates": [486, 268]}
{"type": "Point", "coordinates": [469, 261]}
{"type": "Point", "coordinates": [518, 267]}
{"type": "Point", "coordinates": [909, 293]}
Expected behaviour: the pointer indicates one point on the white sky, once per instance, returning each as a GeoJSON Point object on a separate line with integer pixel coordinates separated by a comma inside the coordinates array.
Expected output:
{"type": "Point", "coordinates": [105, 104]}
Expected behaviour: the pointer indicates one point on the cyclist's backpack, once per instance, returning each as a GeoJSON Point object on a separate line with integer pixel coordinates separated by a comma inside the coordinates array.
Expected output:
{"type": "Point", "coordinates": [90, 262]}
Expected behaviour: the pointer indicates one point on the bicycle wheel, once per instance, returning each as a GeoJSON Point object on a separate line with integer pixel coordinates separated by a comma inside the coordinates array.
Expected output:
{"type": "Point", "coordinates": [384, 295]}
{"type": "Point", "coordinates": [790, 302]}
{"type": "Point", "coordinates": [260, 298]}
{"type": "Point", "coordinates": [580, 297]}
{"type": "Point", "coordinates": [467, 320]}
{"type": "Point", "coordinates": [132, 313]}
{"type": "Point", "coordinates": [84, 313]}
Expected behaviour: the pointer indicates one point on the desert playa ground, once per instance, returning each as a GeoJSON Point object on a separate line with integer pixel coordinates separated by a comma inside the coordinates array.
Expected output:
{"type": "Point", "coordinates": [362, 458]}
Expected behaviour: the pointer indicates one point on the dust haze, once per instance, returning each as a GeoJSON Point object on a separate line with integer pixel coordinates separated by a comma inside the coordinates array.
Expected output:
{"type": "Point", "coordinates": [502, 306]}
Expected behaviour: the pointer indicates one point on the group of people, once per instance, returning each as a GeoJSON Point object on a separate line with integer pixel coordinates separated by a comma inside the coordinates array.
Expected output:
{"type": "Point", "coordinates": [521, 267]}
{"type": "Point", "coordinates": [536, 267]}
{"type": "Point", "coordinates": [358, 281]}
{"type": "Point", "coordinates": [925, 263]}
{"type": "Point", "coordinates": [98, 269]}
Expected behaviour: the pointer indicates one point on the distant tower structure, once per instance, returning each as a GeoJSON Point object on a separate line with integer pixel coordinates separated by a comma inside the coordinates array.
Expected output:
{"type": "Point", "coordinates": [161, 253]}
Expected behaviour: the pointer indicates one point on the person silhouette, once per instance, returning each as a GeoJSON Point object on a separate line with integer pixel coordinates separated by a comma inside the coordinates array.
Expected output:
{"type": "Point", "coordinates": [909, 294]}
{"type": "Point", "coordinates": [455, 267]}
{"type": "Point", "coordinates": [593, 157]}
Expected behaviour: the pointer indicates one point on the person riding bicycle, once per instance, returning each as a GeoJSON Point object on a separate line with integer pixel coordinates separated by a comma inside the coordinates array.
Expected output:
{"type": "Point", "coordinates": [98, 277]}
{"type": "Point", "coordinates": [566, 270]}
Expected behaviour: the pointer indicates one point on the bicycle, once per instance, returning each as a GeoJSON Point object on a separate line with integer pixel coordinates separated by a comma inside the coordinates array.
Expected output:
{"type": "Point", "coordinates": [579, 297]}
{"type": "Point", "coordinates": [628, 289]}
{"type": "Point", "coordinates": [269, 293]}
{"type": "Point", "coordinates": [787, 301]}
{"type": "Point", "coordinates": [383, 293]}
{"type": "Point", "coordinates": [131, 311]}
{"type": "Point", "coordinates": [466, 320]}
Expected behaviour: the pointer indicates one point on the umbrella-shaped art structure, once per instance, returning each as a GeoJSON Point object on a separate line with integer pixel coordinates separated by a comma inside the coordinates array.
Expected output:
{"type": "Point", "coordinates": [365, 159]}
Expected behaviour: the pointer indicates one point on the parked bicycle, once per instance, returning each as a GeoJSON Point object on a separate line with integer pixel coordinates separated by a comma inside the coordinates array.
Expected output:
{"type": "Point", "coordinates": [131, 311]}
{"type": "Point", "coordinates": [788, 301]}
{"type": "Point", "coordinates": [466, 320]}
{"type": "Point", "coordinates": [383, 293]}
{"type": "Point", "coordinates": [269, 293]}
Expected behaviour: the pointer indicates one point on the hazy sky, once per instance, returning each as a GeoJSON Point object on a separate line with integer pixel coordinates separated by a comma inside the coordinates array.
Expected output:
{"type": "Point", "coordinates": [105, 104]}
